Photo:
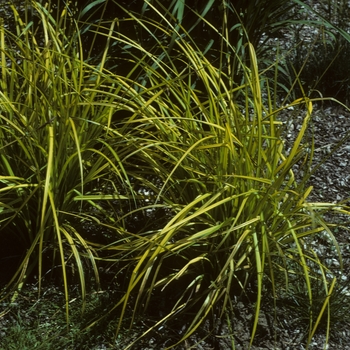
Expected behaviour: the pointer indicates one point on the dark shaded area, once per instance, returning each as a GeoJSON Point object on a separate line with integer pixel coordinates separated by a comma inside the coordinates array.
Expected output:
{"type": "Point", "coordinates": [328, 76]}
{"type": "Point", "coordinates": [12, 250]}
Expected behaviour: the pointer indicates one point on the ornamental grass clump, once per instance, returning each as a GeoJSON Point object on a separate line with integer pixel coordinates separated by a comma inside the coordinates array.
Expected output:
{"type": "Point", "coordinates": [240, 219]}
{"type": "Point", "coordinates": [54, 146]}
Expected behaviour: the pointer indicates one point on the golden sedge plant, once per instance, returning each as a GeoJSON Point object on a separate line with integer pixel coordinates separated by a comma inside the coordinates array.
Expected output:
{"type": "Point", "coordinates": [54, 148]}
{"type": "Point", "coordinates": [217, 160]}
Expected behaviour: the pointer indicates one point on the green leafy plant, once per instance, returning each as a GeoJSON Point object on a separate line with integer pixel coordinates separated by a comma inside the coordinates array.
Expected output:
{"type": "Point", "coordinates": [239, 214]}
{"type": "Point", "coordinates": [55, 125]}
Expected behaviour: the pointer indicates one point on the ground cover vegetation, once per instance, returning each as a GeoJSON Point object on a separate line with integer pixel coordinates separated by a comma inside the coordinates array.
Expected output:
{"type": "Point", "coordinates": [146, 164]}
